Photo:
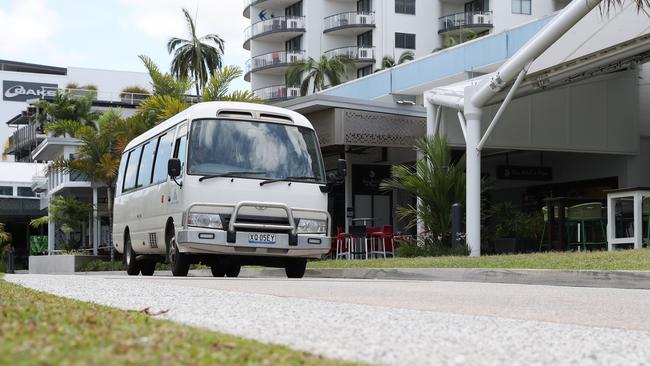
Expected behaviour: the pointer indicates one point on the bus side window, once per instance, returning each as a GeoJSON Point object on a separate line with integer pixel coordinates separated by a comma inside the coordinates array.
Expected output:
{"type": "Point", "coordinates": [163, 154]}
{"type": "Point", "coordinates": [120, 174]}
{"type": "Point", "coordinates": [179, 151]}
{"type": "Point", "coordinates": [132, 169]}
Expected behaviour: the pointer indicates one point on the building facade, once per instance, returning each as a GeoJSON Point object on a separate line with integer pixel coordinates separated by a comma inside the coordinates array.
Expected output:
{"type": "Point", "coordinates": [27, 143]}
{"type": "Point", "coordinates": [283, 32]}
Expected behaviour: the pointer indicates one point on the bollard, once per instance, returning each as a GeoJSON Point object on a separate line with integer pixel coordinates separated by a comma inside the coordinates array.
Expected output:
{"type": "Point", "coordinates": [10, 260]}
{"type": "Point", "coordinates": [456, 224]}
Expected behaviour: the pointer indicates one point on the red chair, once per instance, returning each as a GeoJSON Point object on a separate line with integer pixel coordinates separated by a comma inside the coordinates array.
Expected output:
{"type": "Point", "coordinates": [341, 245]}
{"type": "Point", "coordinates": [377, 238]}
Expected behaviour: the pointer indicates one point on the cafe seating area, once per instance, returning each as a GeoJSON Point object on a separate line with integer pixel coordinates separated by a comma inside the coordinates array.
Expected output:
{"type": "Point", "coordinates": [364, 242]}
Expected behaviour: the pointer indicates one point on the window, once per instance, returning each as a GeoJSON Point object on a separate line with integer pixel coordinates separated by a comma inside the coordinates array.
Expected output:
{"type": "Point", "coordinates": [120, 173]}
{"type": "Point", "coordinates": [132, 169]}
{"type": "Point", "coordinates": [6, 191]}
{"type": "Point", "coordinates": [162, 156]}
{"type": "Point", "coordinates": [146, 163]}
{"type": "Point", "coordinates": [405, 7]}
{"type": "Point", "coordinates": [179, 151]}
{"type": "Point", "coordinates": [405, 40]}
{"type": "Point", "coordinates": [25, 192]}
{"type": "Point", "coordinates": [364, 39]}
{"type": "Point", "coordinates": [364, 6]}
{"type": "Point", "coordinates": [521, 7]}
{"type": "Point", "coordinates": [364, 71]}
{"type": "Point", "coordinates": [294, 10]}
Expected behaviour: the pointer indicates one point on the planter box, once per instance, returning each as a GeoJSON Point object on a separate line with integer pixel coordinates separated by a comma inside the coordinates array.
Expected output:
{"type": "Point", "coordinates": [51, 264]}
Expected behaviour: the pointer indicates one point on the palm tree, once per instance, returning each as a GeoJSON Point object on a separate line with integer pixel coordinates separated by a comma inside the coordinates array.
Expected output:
{"type": "Point", "coordinates": [326, 72]}
{"type": "Point", "coordinates": [196, 57]}
{"type": "Point", "coordinates": [219, 84]}
{"type": "Point", "coordinates": [67, 110]}
{"type": "Point", "coordinates": [4, 236]}
{"type": "Point", "coordinates": [388, 61]}
{"type": "Point", "coordinates": [641, 5]}
{"type": "Point", "coordinates": [436, 180]}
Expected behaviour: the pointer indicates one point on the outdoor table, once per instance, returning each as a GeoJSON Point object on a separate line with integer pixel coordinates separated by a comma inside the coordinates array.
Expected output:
{"type": "Point", "coordinates": [635, 194]}
{"type": "Point", "coordinates": [557, 238]}
{"type": "Point", "coordinates": [364, 220]}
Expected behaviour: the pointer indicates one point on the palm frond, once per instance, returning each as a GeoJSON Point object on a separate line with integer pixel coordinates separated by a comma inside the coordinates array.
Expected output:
{"type": "Point", "coordinates": [405, 57]}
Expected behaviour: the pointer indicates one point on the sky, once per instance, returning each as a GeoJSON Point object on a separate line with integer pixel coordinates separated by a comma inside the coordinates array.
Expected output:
{"type": "Point", "coordinates": [110, 34]}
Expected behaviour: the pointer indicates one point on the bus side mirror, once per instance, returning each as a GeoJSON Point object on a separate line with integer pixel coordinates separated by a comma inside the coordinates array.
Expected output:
{"type": "Point", "coordinates": [341, 168]}
{"type": "Point", "coordinates": [174, 167]}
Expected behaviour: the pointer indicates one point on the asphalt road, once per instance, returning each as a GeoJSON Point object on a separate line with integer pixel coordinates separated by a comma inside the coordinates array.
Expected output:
{"type": "Point", "coordinates": [394, 322]}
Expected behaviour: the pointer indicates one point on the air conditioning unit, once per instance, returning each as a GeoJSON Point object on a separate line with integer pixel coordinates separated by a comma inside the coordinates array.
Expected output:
{"type": "Point", "coordinates": [365, 53]}
{"type": "Point", "coordinates": [293, 23]}
{"type": "Point", "coordinates": [293, 92]}
{"type": "Point", "coordinates": [481, 19]}
{"type": "Point", "coordinates": [293, 57]}
{"type": "Point", "coordinates": [364, 19]}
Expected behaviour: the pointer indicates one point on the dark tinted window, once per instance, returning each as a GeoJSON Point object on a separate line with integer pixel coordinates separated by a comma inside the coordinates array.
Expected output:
{"type": "Point", "coordinates": [162, 156]}
{"type": "Point", "coordinates": [132, 169]}
{"type": "Point", "coordinates": [25, 192]}
{"type": "Point", "coordinates": [6, 191]}
{"type": "Point", "coordinates": [405, 40]}
{"type": "Point", "coordinates": [405, 6]}
{"type": "Point", "coordinates": [179, 151]}
{"type": "Point", "coordinates": [146, 163]}
{"type": "Point", "coordinates": [120, 174]}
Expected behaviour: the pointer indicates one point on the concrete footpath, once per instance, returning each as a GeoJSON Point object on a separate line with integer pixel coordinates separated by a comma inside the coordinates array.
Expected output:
{"type": "Point", "coordinates": [581, 278]}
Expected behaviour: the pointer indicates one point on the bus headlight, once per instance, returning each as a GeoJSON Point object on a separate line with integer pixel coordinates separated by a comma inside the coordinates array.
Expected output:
{"type": "Point", "coordinates": [205, 220]}
{"type": "Point", "coordinates": [312, 226]}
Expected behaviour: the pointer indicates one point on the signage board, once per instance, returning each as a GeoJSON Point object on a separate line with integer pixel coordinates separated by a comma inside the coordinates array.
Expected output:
{"type": "Point", "coordinates": [518, 172]}
{"type": "Point", "coordinates": [21, 91]}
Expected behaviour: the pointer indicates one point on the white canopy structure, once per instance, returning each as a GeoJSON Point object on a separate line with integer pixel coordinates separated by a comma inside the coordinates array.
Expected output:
{"type": "Point", "coordinates": [579, 43]}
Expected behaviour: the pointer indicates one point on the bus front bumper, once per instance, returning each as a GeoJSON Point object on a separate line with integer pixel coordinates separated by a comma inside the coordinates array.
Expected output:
{"type": "Point", "coordinates": [211, 241]}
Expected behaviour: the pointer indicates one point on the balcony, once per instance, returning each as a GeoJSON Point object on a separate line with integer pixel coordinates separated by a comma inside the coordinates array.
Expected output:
{"type": "Point", "coordinates": [278, 29]}
{"type": "Point", "coordinates": [476, 21]}
{"type": "Point", "coordinates": [274, 63]}
{"type": "Point", "coordinates": [360, 55]}
{"type": "Point", "coordinates": [350, 23]}
{"type": "Point", "coordinates": [25, 138]}
{"type": "Point", "coordinates": [277, 93]}
{"type": "Point", "coordinates": [58, 180]}
{"type": "Point", "coordinates": [269, 4]}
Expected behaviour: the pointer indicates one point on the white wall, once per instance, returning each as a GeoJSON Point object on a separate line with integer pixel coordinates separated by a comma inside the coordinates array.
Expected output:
{"type": "Point", "coordinates": [503, 18]}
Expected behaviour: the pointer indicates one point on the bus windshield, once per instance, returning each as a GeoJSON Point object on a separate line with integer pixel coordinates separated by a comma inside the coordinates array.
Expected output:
{"type": "Point", "coordinates": [266, 150]}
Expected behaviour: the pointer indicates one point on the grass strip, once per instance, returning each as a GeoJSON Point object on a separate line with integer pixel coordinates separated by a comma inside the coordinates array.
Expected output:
{"type": "Point", "coordinates": [42, 329]}
{"type": "Point", "coordinates": [631, 260]}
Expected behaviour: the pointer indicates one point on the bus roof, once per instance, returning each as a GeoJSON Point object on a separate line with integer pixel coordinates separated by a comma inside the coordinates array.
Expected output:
{"type": "Point", "coordinates": [212, 109]}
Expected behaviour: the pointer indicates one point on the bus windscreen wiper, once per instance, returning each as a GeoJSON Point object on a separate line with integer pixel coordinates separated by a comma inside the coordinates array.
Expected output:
{"type": "Point", "coordinates": [287, 179]}
{"type": "Point", "coordinates": [228, 174]}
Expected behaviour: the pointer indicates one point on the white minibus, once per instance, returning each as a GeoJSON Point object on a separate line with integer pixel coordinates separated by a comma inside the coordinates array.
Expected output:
{"type": "Point", "coordinates": [225, 184]}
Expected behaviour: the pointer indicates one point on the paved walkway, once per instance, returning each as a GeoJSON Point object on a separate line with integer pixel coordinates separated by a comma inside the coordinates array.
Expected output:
{"type": "Point", "coordinates": [394, 322]}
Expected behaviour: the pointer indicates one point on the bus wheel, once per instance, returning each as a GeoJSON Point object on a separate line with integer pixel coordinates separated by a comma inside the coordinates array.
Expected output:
{"type": "Point", "coordinates": [132, 265]}
{"type": "Point", "coordinates": [147, 267]}
{"type": "Point", "coordinates": [179, 262]}
{"type": "Point", "coordinates": [218, 268]}
{"type": "Point", "coordinates": [295, 268]}
{"type": "Point", "coordinates": [233, 269]}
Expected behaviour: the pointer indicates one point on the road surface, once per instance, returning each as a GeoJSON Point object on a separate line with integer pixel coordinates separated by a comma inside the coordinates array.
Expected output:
{"type": "Point", "coordinates": [393, 322]}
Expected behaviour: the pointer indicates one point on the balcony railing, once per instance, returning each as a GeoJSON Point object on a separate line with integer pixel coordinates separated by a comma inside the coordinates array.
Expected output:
{"type": "Point", "coordinates": [350, 19]}
{"type": "Point", "coordinates": [123, 97]}
{"type": "Point", "coordinates": [353, 52]}
{"type": "Point", "coordinates": [465, 20]}
{"type": "Point", "coordinates": [277, 24]}
{"type": "Point", "coordinates": [274, 59]}
{"type": "Point", "coordinates": [277, 92]}
{"type": "Point", "coordinates": [26, 136]}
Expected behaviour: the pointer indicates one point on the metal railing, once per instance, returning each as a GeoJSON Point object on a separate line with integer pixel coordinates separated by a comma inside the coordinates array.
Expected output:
{"type": "Point", "coordinates": [276, 92]}
{"type": "Point", "coordinates": [353, 52]}
{"type": "Point", "coordinates": [464, 19]}
{"type": "Point", "coordinates": [25, 136]}
{"type": "Point", "coordinates": [123, 97]}
{"type": "Point", "coordinates": [277, 24]}
{"type": "Point", "coordinates": [354, 18]}
{"type": "Point", "coordinates": [272, 59]}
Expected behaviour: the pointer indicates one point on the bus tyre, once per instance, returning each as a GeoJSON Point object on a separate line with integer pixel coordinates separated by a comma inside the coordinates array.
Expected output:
{"type": "Point", "coordinates": [132, 264]}
{"type": "Point", "coordinates": [179, 262]}
{"type": "Point", "coordinates": [295, 268]}
{"type": "Point", "coordinates": [147, 267]}
{"type": "Point", "coordinates": [233, 269]}
{"type": "Point", "coordinates": [217, 269]}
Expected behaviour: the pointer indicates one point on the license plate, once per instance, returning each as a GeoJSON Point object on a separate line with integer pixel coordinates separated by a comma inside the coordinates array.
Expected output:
{"type": "Point", "coordinates": [262, 238]}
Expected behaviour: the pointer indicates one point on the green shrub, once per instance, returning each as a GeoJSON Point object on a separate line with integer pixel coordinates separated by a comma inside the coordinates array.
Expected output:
{"type": "Point", "coordinates": [427, 246]}
{"type": "Point", "coordinates": [38, 245]}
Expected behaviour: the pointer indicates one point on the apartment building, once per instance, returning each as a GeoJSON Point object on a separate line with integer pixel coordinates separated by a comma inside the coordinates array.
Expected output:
{"type": "Point", "coordinates": [283, 32]}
